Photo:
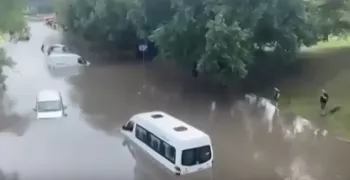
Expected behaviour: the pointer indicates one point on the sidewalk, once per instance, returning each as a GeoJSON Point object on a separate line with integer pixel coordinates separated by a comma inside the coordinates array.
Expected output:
{"type": "Point", "coordinates": [342, 139]}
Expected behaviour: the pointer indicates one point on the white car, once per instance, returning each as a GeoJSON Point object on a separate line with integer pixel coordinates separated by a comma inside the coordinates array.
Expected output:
{"type": "Point", "coordinates": [49, 104]}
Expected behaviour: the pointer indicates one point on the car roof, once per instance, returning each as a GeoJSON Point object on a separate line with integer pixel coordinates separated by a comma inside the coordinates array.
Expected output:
{"type": "Point", "coordinates": [48, 95]}
{"type": "Point", "coordinates": [170, 126]}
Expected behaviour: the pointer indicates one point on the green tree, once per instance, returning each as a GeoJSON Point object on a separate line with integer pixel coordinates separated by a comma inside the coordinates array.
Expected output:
{"type": "Point", "coordinates": [103, 21]}
{"type": "Point", "coordinates": [11, 15]}
{"type": "Point", "coordinates": [147, 15]}
{"type": "Point", "coordinates": [11, 19]}
{"type": "Point", "coordinates": [225, 38]}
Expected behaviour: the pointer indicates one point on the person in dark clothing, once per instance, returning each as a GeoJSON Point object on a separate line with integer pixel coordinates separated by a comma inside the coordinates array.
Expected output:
{"type": "Point", "coordinates": [194, 70]}
{"type": "Point", "coordinates": [323, 101]}
{"type": "Point", "coordinates": [276, 95]}
{"type": "Point", "coordinates": [12, 34]}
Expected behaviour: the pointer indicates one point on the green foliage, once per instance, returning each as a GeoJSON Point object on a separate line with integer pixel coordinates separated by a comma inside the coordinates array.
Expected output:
{"type": "Point", "coordinates": [104, 21]}
{"type": "Point", "coordinates": [11, 15]}
{"type": "Point", "coordinates": [11, 19]}
{"type": "Point", "coordinates": [4, 62]}
{"type": "Point", "coordinates": [225, 38]}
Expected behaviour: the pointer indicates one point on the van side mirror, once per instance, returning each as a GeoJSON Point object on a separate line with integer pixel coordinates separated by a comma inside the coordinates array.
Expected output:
{"type": "Point", "coordinates": [124, 128]}
{"type": "Point", "coordinates": [34, 109]}
{"type": "Point", "coordinates": [82, 61]}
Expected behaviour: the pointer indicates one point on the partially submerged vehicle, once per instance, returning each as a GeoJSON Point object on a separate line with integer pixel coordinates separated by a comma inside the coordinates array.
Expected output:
{"type": "Point", "coordinates": [49, 104]}
{"type": "Point", "coordinates": [174, 145]}
{"type": "Point", "coordinates": [61, 61]}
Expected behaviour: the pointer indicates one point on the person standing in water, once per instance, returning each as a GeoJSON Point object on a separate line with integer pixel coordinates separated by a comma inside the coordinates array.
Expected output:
{"type": "Point", "coordinates": [276, 96]}
{"type": "Point", "coordinates": [323, 101]}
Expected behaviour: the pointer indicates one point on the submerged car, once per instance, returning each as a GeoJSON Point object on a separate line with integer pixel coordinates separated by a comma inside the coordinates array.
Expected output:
{"type": "Point", "coordinates": [49, 104]}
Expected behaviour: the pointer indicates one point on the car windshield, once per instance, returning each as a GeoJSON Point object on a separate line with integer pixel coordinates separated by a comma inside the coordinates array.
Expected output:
{"type": "Point", "coordinates": [196, 156]}
{"type": "Point", "coordinates": [48, 106]}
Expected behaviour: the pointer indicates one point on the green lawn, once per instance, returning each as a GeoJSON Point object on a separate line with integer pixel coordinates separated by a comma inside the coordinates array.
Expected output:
{"type": "Point", "coordinates": [326, 65]}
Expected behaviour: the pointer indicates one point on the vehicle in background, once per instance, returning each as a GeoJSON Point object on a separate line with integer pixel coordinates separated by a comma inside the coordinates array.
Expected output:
{"type": "Point", "coordinates": [49, 104]}
{"type": "Point", "coordinates": [177, 146]}
{"type": "Point", "coordinates": [51, 22]}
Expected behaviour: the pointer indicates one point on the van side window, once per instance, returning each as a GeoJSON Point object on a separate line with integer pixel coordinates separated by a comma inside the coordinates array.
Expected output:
{"type": "Point", "coordinates": [156, 144]}
{"type": "Point", "coordinates": [141, 134]}
{"type": "Point", "coordinates": [169, 151]}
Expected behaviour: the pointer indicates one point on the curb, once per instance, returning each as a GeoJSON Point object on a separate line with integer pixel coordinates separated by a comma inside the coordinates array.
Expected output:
{"type": "Point", "coordinates": [342, 139]}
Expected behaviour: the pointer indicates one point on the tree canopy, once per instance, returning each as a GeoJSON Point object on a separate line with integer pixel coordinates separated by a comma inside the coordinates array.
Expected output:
{"type": "Point", "coordinates": [11, 15]}
{"type": "Point", "coordinates": [220, 37]}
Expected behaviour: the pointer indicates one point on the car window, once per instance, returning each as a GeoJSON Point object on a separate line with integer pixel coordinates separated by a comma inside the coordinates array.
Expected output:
{"type": "Point", "coordinates": [47, 106]}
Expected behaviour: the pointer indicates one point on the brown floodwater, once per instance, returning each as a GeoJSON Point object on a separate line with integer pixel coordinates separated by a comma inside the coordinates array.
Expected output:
{"type": "Point", "coordinates": [87, 143]}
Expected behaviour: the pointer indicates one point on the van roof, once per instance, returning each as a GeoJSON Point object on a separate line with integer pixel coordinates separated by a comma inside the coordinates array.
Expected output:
{"type": "Point", "coordinates": [169, 125]}
{"type": "Point", "coordinates": [48, 95]}
{"type": "Point", "coordinates": [58, 45]}
{"type": "Point", "coordinates": [64, 54]}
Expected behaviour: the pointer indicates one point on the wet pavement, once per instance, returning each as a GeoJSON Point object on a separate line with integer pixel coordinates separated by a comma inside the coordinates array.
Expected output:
{"type": "Point", "coordinates": [87, 144]}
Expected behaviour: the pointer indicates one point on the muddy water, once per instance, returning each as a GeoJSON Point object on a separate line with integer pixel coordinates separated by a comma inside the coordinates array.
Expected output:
{"type": "Point", "coordinates": [87, 144]}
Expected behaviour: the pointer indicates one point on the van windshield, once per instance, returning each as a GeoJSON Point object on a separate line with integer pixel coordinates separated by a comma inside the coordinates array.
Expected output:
{"type": "Point", "coordinates": [196, 156]}
{"type": "Point", "coordinates": [48, 106]}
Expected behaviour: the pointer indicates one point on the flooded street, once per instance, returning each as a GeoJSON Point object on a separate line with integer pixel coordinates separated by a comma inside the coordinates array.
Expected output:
{"type": "Point", "coordinates": [87, 144]}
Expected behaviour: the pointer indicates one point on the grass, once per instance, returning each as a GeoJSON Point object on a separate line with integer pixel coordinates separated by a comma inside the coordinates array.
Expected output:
{"type": "Point", "coordinates": [326, 65]}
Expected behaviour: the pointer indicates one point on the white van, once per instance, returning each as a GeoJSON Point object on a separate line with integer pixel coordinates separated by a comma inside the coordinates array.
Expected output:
{"type": "Point", "coordinates": [178, 146]}
{"type": "Point", "coordinates": [60, 60]}
{"type": "Point", "coordinates": [49, 105]}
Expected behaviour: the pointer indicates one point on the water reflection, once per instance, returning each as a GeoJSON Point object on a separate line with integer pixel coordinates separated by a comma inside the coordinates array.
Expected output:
{"type": "Point", "coordinates": [8, 176]}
